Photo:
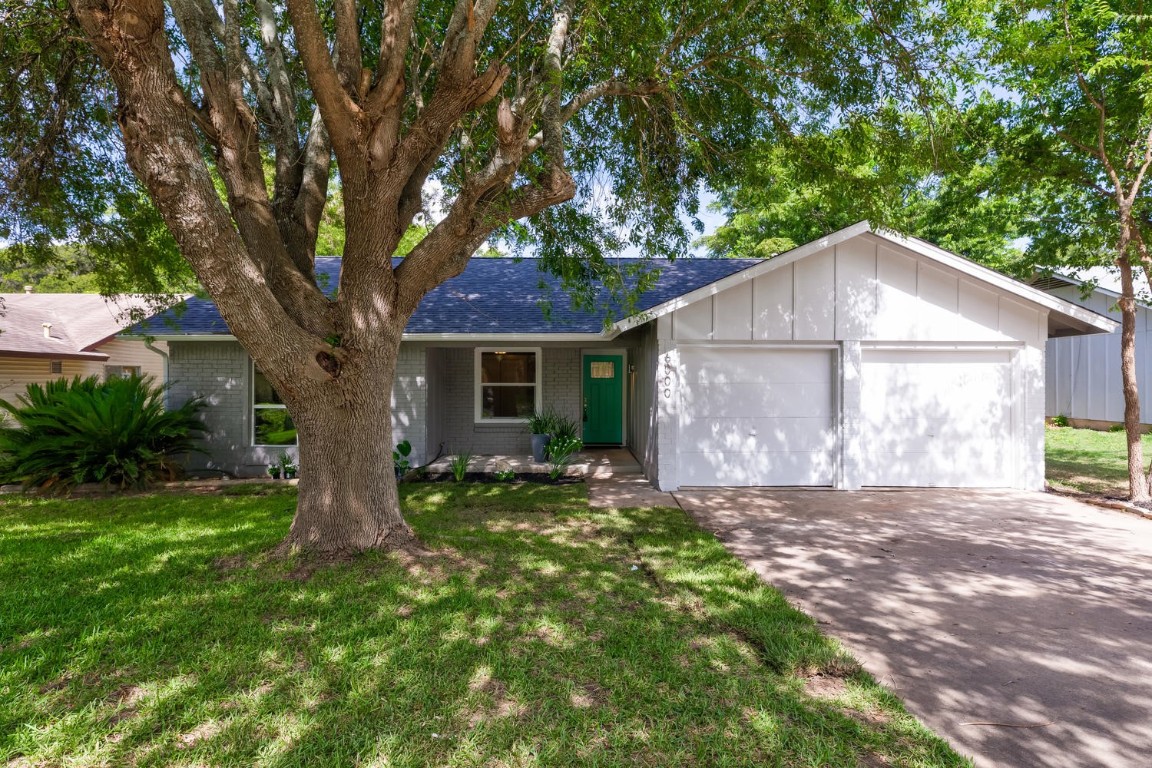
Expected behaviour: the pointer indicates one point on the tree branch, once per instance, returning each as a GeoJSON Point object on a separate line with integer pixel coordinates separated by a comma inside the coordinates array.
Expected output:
{"type": "Point", "coordinates": [395, 37]}
{"type": "Point", "coordinates": [348, 58]}
{"type": "Point", "coordinates": [552, 114]}
{"type": "Point", "coordinates": [337, 108]}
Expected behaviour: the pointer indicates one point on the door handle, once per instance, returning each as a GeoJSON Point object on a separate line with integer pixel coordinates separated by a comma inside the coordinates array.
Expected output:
{"type": "Point", "coordinates": [585, 410]}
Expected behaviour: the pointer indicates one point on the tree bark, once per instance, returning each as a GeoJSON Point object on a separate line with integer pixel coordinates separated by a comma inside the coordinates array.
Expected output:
{"type": "Point", "coordinates": [348, 500]}
{"type": "Point", "coordinates": [1137, 480]}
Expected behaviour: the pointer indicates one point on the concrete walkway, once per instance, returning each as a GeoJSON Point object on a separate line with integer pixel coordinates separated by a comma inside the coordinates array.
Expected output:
{"type": "Point", "coordinates": [621, 484]}
{"type": "Point", "coordinates": [1027, 610]}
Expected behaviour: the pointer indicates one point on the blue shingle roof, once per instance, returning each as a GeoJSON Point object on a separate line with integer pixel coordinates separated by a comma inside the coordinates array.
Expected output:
{"type": "Point", "coordinates": [498, 296]}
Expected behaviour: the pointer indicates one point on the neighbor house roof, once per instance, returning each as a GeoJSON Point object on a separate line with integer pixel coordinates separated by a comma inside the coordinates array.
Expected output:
{"type": "Point", "coordinates": [496, 297]}
{"type": "Point", "coordinates": [1102, 280]}
{"type": "Point", "coordinates": [64, 325]}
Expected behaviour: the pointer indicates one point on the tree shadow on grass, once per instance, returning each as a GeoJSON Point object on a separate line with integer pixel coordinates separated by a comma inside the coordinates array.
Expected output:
{"type": "Point", "coordinates": [536, 632]}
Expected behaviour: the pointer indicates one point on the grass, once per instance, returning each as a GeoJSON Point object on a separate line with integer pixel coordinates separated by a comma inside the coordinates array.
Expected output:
{"type": "Point", "coordinates": [1089, 461]}
{"type": "Point", "coordinates": [151, 630]}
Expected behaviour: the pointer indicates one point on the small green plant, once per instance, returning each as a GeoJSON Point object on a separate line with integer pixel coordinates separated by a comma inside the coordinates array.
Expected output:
{"type": "Point", "coordinates": [560, 453]}
{"type": "Point", "coordinates": [400, 459]}
{"type": "Point", "coordinates": [274, 471]}
{"type": "Point", "coordinates": [116, 432]}
{"type": "Point", "coordinates": [1116, 428]}
{"type": "Point", "coordinates": [459, 464]}
{"type": "Point", "coordinates": [504, 475]}
{"type": "Point", "coordinates": [287, 467]}
{"type": "Point", "coordinates": [1060, 421]}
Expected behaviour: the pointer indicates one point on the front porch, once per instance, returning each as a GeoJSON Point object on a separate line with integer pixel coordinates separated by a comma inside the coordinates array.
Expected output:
{"type": "Point", "coordinates": [589, 463]}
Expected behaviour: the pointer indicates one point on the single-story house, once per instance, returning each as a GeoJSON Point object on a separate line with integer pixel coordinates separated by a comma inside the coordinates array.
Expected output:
{"type": "Point", "coordinates": [1082, 377]}
{"type": "Point", "coordinates": [47, 336]}
{"type": "Point", "coordinates": [861, 359]}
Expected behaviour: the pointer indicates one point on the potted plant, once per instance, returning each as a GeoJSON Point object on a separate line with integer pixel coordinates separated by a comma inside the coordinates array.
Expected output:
{"type": "Point", "coordinates": [287, 468]}
{"type": "Point", "coordinates": [274, 471]}
{"type": "Point", "coordinates": [540, 426]}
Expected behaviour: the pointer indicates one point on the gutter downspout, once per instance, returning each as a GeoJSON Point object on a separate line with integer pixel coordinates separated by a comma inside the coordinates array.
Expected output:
{"type": "Point", "coordinates": [167, 390]}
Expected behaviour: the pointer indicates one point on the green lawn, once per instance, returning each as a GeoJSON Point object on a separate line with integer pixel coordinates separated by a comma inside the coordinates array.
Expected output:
{"type": "Point", "coordinates": [1089, 461]}
{"type": "Point", "coordinates": [150, 631]}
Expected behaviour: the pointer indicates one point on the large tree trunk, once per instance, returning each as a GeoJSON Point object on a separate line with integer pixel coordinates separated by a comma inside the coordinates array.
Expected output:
{"type": "Point", "coordinates": [1137, 480]}
{"type": "Point", "coordinates": [348, 499]}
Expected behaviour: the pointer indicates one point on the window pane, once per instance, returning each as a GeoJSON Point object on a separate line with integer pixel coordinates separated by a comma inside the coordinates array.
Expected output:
{"type": "Point", "coordinates": [262, 392]}
{"type": "Point", "coordinates": [508, 367]}
{"type": "Point", "coordinates": [603, 369]}
{"type": "Point", "coordinates": [274, 427]}
{"type": "Point", "coordinates": [507, 402]}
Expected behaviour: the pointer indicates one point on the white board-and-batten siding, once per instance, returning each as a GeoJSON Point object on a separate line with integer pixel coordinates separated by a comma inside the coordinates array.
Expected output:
{"type": "Point", "coordinates": [858, 299]}
{"type": "Point", "coordinates": [860, 291]}
{"type": "Point", "coordinates": [1083, 372]}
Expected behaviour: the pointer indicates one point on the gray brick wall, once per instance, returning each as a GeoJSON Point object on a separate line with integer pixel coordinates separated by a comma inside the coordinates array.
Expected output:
{"type": "Point", "coordinates": [219, 371]}
{"type": "Point", "coordinates": [452, 406]}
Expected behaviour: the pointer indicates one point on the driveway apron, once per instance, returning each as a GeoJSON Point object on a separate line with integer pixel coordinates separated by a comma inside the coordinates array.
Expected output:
{"type": "Point", "coordinates": [1016, 625]}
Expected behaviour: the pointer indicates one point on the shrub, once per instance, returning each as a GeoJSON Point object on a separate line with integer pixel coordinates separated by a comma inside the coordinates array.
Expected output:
{"type": "Point", "coordinates": [1060, 421]}
{"type": "Point", "coordinates": [400, 461]}
{"type": "Point", "coordinates": [542, 423]}
{"type": "Point", "coordinates": [459, 464]}
{"type": "Point", "coordinates": [560, 451]}
{"type": "Point", "coordinates": [564, 428]}
{"type": "Point", "coordinates": [114, 432]}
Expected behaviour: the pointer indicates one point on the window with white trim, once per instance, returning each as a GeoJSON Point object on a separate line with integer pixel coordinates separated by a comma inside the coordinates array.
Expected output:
{"type": "Point", "coordinates": [121, 371]}
{"type": "Point", "coordinates": [271, 422]}
{"type": "Point", "coordinates": [507, 383]}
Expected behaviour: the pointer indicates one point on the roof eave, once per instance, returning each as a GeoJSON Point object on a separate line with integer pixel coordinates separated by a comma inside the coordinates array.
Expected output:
{"type": "Point", "coordinates": [54, 355]}
{"type": "Point", "coordinates": [481, 337]}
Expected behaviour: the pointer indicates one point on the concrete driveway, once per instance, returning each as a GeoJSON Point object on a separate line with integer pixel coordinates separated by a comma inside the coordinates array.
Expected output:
{"type": "Point", "coordinates": [1024, 609]}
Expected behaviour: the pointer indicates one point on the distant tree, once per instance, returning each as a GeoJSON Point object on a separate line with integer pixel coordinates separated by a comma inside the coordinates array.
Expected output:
{"type": "Point", "coordinates": [931, 174]}
{"type": "Point", "coordinates": [1075, 80]}
{"type": "Point", "coordinates": [554, 125]}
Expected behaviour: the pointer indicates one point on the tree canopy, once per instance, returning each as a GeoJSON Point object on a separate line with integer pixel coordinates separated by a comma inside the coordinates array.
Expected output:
{"type": "Point", "coordinates": [934, 174]}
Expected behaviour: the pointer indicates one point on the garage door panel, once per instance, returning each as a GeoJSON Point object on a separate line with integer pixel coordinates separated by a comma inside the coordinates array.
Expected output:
{"type": "Point", "coordinates": [799, 468]}
{"type": "Point", "coordinates": [728, 364]}
{"type": "Point", "coordinates": [748, 434]}
{"type": "Point", "coordinates": [937, 418]}
{"type": "Point", "coordinates": [757, 417]}
{"type": "Point", "coordinates": [791, 399]}
{"type": "Point", "coordinates": [920, 434]}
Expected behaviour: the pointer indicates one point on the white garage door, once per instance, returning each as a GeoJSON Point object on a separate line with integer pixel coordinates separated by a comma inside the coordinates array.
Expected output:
{"type": "Point", "coordinates": [757, 416]}
{"type": "Point", "coordinates": [937, 418]}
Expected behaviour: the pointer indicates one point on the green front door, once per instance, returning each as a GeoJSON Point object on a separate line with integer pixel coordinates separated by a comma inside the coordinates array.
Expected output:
{"type": "Point", "coordinates": [604, 399]}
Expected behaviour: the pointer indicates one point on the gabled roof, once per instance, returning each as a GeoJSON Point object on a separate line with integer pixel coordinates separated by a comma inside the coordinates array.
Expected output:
{"type": "Point", "coordinates": [501, 298]}
{"type": "Point", "coordinates": [1064, 317]}
{"type": "Point", "coordinates": [492, 297]}
{"type": "Point", "coordinates": [64, 325]}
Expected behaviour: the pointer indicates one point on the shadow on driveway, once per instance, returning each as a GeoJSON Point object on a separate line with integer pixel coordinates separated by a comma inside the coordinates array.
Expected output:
{"type": "Point", "coordinates": [1023, 609]}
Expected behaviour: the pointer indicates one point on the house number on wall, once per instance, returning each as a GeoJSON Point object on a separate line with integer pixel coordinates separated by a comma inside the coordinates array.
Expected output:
{"type": "Point", "coordinates": [667, 381]}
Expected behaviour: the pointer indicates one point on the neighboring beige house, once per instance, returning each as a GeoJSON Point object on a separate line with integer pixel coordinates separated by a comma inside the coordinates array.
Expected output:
{"type": "Point", "coordinates": [46, 336]}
